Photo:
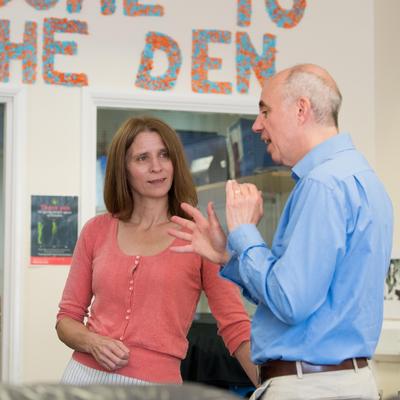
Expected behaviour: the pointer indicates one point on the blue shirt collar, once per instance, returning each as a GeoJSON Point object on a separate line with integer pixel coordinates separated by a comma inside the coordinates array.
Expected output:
{"type": "Point", "coordinates": [323, 152]}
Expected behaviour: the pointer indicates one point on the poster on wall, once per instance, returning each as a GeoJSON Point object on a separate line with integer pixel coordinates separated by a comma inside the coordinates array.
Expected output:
{"type": "Point", "coordinates": [54, 229]}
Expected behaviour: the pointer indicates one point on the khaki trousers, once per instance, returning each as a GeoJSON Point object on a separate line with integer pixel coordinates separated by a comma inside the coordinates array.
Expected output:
{"type": "Point", "coordinates": [344, 384]}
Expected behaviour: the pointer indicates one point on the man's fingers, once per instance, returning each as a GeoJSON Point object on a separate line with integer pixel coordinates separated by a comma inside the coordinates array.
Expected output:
{"type": "Point", "coordinates": [230, 188]}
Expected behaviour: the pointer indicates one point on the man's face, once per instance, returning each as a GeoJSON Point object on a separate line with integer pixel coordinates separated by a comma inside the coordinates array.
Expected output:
{"type": "Point", "coordinates": [276, 123]}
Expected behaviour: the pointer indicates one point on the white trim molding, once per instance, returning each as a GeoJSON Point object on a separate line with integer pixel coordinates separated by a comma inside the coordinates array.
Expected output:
{"type": "Point", "coordinates": [93, 99]}
{"type": "Point", "coordinates": [14, 186]}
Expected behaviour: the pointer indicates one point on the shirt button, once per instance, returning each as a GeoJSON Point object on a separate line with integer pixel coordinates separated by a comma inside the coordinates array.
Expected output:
{"type": "Point", "coordinates": [131, 281]}
{"type": "Point", "coordinates": [127, 317]}
{"type": "Point", "coordinates": [130, 288]}
{"type": "Point", "coordinates": [128, 310]}
{"type": "Point", "coordinates": [121, 337]}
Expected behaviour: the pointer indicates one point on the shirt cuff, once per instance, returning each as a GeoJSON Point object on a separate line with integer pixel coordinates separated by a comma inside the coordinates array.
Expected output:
{"type": "Point", "coordinates": [244, 237]}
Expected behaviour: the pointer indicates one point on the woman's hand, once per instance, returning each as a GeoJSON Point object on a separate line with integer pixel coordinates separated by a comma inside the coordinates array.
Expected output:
{"type": "Point", "coordinates": [206, 236]}
{"type": "Point", "coordinates": [110, 353]}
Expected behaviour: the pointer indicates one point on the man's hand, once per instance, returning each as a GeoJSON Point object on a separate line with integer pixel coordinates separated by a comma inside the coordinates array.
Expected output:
{"type": "Point", "coordinates": [206, 236]}
{"type": "Point", "coordinates": [244, 204]}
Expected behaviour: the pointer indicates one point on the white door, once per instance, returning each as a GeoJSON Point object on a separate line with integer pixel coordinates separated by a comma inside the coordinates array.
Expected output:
{"type": "Point", "coordinates": [2, 112]}
{"type": "Point", "coordinates": [12, 187]}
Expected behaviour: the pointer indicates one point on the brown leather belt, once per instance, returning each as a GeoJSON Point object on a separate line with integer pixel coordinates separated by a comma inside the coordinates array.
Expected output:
{"type": "Point", "coordinates": [275, 368]}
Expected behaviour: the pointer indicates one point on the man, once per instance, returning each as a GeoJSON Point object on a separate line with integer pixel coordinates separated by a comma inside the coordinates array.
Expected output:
{"type": "Point", "coordinates": [319, 288]}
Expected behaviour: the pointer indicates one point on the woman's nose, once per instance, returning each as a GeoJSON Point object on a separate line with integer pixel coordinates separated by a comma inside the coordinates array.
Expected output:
{"type": "Point", "coordinates": [156, 165]}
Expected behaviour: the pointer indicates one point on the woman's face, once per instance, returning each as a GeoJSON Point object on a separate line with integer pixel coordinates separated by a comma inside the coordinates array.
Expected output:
{"type": "Point", "coordinates": [149, 167]}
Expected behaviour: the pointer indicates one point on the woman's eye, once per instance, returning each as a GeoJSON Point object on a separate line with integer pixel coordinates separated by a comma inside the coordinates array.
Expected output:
{"type": "Point", "coordinates": [164, 154]}
{"type": "Point", "coordinates": [142, 157]}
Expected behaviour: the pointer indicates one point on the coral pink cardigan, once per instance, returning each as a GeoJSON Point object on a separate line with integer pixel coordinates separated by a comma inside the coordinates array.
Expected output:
{"type": "Point", "coordinates": [147, 302]}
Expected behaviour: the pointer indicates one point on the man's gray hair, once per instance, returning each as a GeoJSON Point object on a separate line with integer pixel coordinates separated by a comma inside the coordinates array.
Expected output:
{"type": "Point", "coordinates": [324, 96]}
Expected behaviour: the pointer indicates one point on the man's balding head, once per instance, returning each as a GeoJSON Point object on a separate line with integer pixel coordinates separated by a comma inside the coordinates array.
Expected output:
{"type": "Point", "coordinates": [315, 83]}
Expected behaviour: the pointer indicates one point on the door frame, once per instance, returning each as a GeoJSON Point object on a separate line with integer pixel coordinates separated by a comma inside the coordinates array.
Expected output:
{"type": "Point", "coordinates": [14, 97]}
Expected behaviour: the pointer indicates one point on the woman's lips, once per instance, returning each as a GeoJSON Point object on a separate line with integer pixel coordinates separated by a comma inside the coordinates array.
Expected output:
{"type": "Point", "coordinates": [157, 181]}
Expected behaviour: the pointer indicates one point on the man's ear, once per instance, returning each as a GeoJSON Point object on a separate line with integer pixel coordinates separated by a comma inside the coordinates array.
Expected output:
{"type": "Point", "coordinates": [303, 109]}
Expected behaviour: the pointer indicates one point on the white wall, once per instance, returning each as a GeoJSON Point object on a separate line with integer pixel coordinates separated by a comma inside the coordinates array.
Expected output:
{"type": "Point", "coordinates": [387, 87]}
{"type": "Point", "coordinates": [337, 34]}
{"type": "Point", "coordinates": [387, 111]}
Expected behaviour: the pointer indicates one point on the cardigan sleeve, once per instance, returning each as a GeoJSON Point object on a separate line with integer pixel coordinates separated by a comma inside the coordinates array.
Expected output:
{"type": "Point", "coordinates": [77, 293]}
{"type": "Point", "coordinates": [227, 307]}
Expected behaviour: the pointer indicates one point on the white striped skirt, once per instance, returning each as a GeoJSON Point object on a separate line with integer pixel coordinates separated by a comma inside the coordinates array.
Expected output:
{"type": "Point", "coordinates": [78, 374]}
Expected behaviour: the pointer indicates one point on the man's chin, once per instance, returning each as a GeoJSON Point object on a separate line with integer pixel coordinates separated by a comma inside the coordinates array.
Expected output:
{"type": "Point", "coordinates": [274, 157]}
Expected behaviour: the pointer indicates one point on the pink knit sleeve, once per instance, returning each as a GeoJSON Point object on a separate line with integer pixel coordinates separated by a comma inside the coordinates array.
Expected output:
{"type": "Point", "coordinates": [77, 293]}
{"type": "Point", "coordinates": [227, 307]}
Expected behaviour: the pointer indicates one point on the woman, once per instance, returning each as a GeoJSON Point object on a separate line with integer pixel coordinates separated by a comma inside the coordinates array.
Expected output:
{"type": "Point", "coordinates": [142, 296]}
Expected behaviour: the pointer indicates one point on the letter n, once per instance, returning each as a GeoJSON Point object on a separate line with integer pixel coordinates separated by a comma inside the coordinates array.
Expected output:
{"type": "Point", "coordinates": [247, 59]}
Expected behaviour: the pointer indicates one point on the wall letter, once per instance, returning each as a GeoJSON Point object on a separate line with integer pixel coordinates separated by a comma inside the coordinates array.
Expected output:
{"type": "Point", "coordinates": [42, 4]}
{"type": "Point", "coordinates": [247, 58]}
{"type": "Point", "coordinates": [133, 9]}
{"type": "Point", "coordinates": [107, 6]}
{"type": "Point", "coordinates": [51, 47]}
{"type": "Point", "coordinates": [201, 63]}
{"type": "Point", "coordinates": [286, 18]}
{"type": "Point", "coordinates": [159, 41]}
{"type": "Point", "coordinates": [244, 12]}
{"type": "Point", "coordinates": [25, 51]}
{"type": "Point", "coordinates": [74, 6]}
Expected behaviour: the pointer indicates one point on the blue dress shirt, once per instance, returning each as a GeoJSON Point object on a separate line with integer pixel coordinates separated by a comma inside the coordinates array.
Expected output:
{"type": "Point", "coordinates": [319, 289]}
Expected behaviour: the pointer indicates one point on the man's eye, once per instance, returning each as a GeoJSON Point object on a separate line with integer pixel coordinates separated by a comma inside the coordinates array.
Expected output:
{"type": "Point", "coordinates": [142, 157]}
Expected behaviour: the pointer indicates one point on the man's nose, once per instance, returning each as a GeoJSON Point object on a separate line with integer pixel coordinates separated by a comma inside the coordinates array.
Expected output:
{"type": "Point", "coordinates": [257, 126]}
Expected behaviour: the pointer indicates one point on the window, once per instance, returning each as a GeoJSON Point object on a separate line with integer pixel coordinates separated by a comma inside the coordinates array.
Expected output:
{"type": "Point", "coordinates": [218, 147]}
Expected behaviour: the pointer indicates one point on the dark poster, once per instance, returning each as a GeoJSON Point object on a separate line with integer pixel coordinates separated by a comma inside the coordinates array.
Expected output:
{"type": "Point", "coordinates": [54, 229]}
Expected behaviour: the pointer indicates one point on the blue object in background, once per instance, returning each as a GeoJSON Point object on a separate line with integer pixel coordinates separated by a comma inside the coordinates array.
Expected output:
{"type": "Point", "coordinates": [255, 156]}
{"type": "Point", "coordinates": [201, 145]}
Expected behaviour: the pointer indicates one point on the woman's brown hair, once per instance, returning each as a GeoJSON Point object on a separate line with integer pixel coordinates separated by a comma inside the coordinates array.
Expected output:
{"type": "Point", "coordinates": [117, 192]}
